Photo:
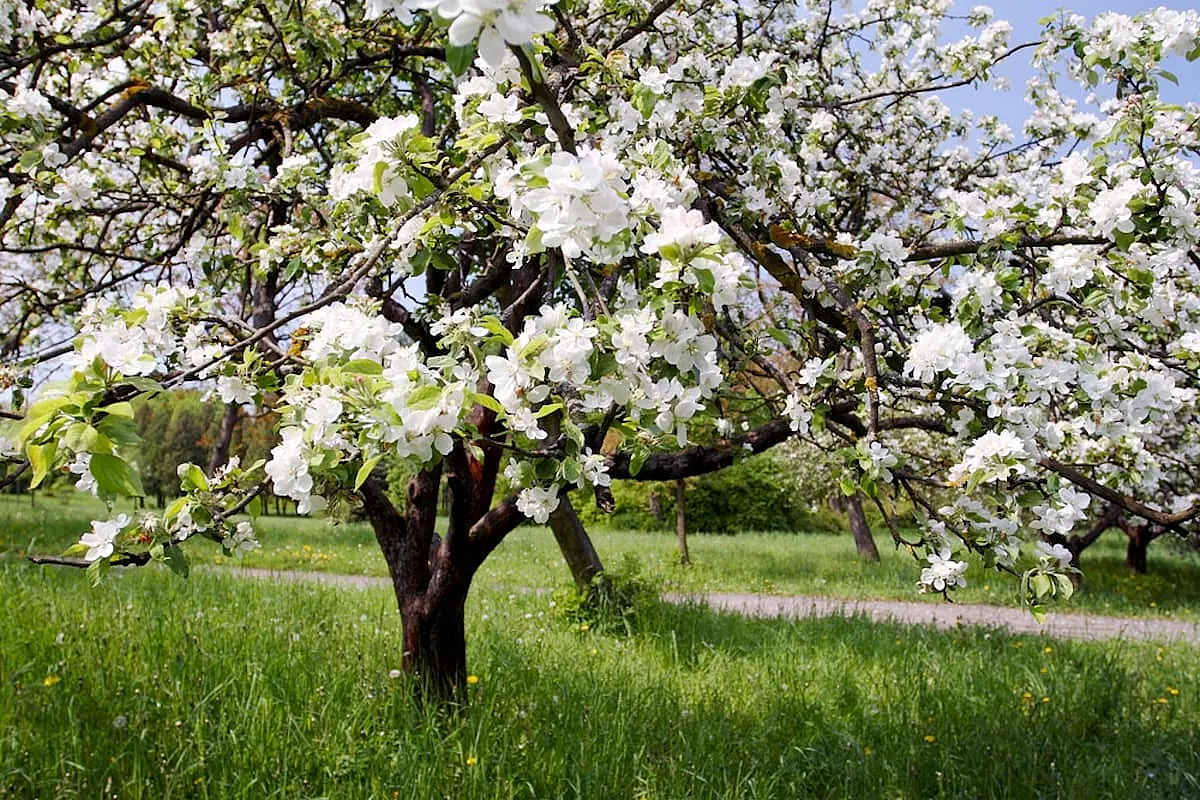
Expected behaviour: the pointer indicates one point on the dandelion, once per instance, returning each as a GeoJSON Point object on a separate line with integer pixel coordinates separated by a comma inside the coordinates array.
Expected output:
{"type": "Point", "coordinates": [930, 739]}
{"type": "Point", "coordinates": [51, 680]}
{"type": "Point", "coordinates": [472, 761]}
{"type": "Point", "coordinates": [585, 627]}
{"type": "Point", "coordinates": [1048, 650]}
{"type": "Point", "coordinates": [1171, 690]}
{"type": "Point", "coordinates": [1045, 699]}
{"type": "Point", "coordinates": [472, 680]}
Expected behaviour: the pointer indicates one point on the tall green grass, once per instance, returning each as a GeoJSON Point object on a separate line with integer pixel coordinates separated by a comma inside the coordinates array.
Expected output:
{"type": "Point", "coordinates": [820, 564]}
{"type": "Point", "coordinates": [153, 687]}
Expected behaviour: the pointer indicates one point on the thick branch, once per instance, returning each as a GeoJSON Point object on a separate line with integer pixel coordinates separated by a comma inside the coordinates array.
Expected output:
{"type": "Point", "coordinates": [1094, 487]}
{"type": "Point", "coordinates": [701, 460]}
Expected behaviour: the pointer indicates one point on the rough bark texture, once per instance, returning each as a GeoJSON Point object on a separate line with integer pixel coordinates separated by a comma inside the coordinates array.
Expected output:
{"type": "Point", "coordinates": [681, 523]}
{"type": "Point", "coordinates": [863, 540]}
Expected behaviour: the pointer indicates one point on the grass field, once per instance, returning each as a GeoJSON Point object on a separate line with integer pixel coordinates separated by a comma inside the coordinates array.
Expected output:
{"type": "Point", "coordinates": [821, 564]}
{"type": "Point", "coordinates": [154, 687]}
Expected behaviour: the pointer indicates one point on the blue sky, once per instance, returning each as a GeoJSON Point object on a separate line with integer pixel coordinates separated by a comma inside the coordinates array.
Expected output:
{"type": "Point", "coordinates": [1024, 16]}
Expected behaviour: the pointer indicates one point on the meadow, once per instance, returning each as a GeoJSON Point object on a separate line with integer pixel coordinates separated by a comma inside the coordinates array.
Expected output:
{"type": "Point", "coordinates": [150, 686]}
{"type": "Point", "coordinates": [773, 563]}
{"type": "Point", "coordinates": [156, 687]}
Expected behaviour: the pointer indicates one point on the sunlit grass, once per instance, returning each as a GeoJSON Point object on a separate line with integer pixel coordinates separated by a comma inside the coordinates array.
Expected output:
{"type": "Point", "coordinates": [816, 564]}
{"type": "Point", "coordinates": [154, 687]}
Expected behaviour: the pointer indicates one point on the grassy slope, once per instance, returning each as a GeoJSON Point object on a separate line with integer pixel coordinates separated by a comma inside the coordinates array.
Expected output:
{"type": "Point", "coordinates": [776, 563]}
{"type": "Point", "coordinates": [150, 686]}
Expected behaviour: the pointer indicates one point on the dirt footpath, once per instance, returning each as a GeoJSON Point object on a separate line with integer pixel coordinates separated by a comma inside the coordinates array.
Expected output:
{"type": "Point", "coordinates": [951, 615]}
{"type": "Point", "coordinates": [942, 616]}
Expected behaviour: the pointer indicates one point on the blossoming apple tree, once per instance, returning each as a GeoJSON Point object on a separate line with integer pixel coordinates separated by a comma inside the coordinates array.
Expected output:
{"type": "Point", "coordinates": [523, 246]}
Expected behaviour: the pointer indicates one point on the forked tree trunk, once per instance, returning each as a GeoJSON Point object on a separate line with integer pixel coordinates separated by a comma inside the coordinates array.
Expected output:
{"type": "Point", "coordinates": [1139, 539]}
{"type": "Point", "coordinates": [681, 524]}
{"type": "Point", "coordinates": [431, 575]}
{"type": "Point", "coordinates": [863, 540]}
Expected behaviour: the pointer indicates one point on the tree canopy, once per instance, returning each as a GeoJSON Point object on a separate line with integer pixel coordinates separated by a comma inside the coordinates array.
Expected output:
{"type": "Point", "coordinates": [491, 236]}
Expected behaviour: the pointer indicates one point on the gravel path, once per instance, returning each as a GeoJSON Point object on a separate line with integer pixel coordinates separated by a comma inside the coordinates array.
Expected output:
{"type": "Point", "coordinates": [942, 615]}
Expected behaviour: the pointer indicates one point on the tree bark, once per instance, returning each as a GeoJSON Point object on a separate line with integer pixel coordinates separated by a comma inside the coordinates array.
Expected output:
{"type": "Point", "coordinates": [220, 453]}
{"type": "Point", "coordinates": [863, 540]}
{"type": "Point", "coordinates": [431, 575]}
{"type": "Point", "coordinates": [1140, 537]}
{"type": "Point", "coordinates": [1135, 555]}
{"type": "Point", "coordinates": [575, 544]}
{"type": "Point", "coordinates": [681, 523]}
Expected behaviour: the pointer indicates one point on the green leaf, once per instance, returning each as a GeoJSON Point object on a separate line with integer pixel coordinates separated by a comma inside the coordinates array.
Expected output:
{"type": "Point", "coordinates": [377, 176]}
{"type": "Point", "coordinates": [364, 471]}
{"type": "Point", "coordinates": [637, 461]}
{"type": "Point", "coordinates": [39, 414]}
{"type": "Point", "coordinates": [460, 57]}
{"type": "Point", "coordinates": [644, 100]}
{"type": "Point", "coordinates": [30, 159]}
{"type": "Point", "coordinates": [173, 510]}
{"type": "Point", "coordinates": [424, 398]}
{"type": "Point", "coordinates": [174, 557]}
{"type": "Point", "coordinates": [114, 476]}
{"type": "Point", "coordinates": [119, 430]}
{"type": "Point", "coordinates": [363, 366]}
{"type": "Point", "coordinates": [192, 477]}
{"type": "Point", "coordinates": [848, 486]}
{"type": "Point", "coordinates": [1039, 614]}
{"type": "Point", "coordinates": [1040, 584]}
{"type": "Point", "coordinates": [122, 409]}
{"type": "Point", "coordinates": [547, 410]}
{"type": "Point", "coordinates": [706, 280]}
{"type": "Point", "coordinates": [1065, 587]}
{"type": "Point", "coordinates": [496, 327]}
{"type": "Point", "coordinates": [41, 456]}
{"type": "Point", "coordinates": [487, 401]}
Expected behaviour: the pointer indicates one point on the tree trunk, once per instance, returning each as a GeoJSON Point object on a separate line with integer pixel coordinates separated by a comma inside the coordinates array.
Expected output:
{"type": "Point", "coordinates": [681, 524]}
{"type": "Point", "coordinates": [1135, 552]}
{"type": "Point", "coordinates": [576, 546]}
{"type": "Point", "coordinates": [431, 574]}
{"type": "Point", "coordinates": [435, 645]}
{"type": "Point", "coordinates": [863, 539]}
{"type": "Point", "coordinates": [1140, 537]}
{"type": "Point", "coordinates": [220, 453]}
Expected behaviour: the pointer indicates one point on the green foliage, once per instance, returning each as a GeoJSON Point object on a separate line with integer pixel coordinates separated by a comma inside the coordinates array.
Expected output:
{"type": "Point", "coordinates": [613, 602]}
{"type": "Point", "coordinates": [759, 493]}
{"type": "Point", "coordinates": [184, 426]}
{"type": "Point", "coordinates": [175, 427]}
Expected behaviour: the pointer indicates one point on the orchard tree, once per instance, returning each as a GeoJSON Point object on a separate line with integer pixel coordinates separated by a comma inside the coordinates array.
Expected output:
{"type": "Point", "coordinates": [512, 231]}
